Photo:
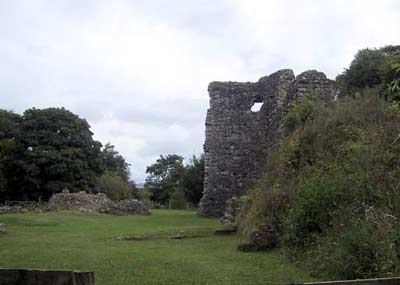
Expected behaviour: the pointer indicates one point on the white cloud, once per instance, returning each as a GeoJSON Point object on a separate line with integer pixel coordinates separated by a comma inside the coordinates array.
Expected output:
{"type": "Point", "coordinates": [138, 70]}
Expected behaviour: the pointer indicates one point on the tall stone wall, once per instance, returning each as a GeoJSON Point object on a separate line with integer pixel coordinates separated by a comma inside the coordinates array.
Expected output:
{"type": "Point", "coordinates": [238, 140]}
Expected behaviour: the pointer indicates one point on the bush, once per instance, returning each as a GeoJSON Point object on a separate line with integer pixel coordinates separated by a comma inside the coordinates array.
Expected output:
{"type": "Point", "coordinates": [264, 238]}
{"type": "Point", "coordinates": [302, 112]}
{"type": "Point", "coordinates": [315, 204]}
{"type": "Point", "coordinates": [115, 187]}
{"type": "Point", "coordinates": [177, 200]}
{"type": "Point", "coordinates": [357, 253]}
{"type": "Point", "coordinates": [144, 195]}
{"type": "Point", "coordinates": [264, 207]}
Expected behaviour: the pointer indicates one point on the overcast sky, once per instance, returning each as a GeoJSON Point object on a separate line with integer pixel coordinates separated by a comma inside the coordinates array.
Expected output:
{"type": "Point", "coordinates": [138, 71]}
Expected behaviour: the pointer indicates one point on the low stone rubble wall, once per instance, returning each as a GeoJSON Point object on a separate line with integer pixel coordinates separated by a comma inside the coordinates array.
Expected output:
{"type": "Point", "coordinates": [83, 202]}
{"type": "Point", "coordinates": [127, 207]}
{"type": "Point", "coordinates": [95, 203]}
{"type": "Point", "coordinates": [12, 210]}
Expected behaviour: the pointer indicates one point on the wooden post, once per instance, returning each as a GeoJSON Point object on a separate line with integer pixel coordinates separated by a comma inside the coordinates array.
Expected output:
{"type": "Point", "coordinates": [44, 277]}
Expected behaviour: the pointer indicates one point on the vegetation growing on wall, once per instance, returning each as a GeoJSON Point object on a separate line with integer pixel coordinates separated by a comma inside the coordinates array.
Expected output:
{"type": "Point", "coordinates": [331, 191]}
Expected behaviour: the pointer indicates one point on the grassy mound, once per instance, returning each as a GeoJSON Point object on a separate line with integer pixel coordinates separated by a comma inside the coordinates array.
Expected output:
{"type": "Point", "coordinates": [332, 190]}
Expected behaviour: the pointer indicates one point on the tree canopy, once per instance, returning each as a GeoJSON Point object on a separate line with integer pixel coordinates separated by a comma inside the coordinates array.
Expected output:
{"type": "Point", "coordinates": [114, 162]}
{"type": "Point", "coordinates": [44, 151]}
{"type": "Point", "coordinates": [10, 149]}
{"type": "Point", "coordinates": [371, 68]}
{"type": "Point", "coordinates": [169, 180]}
{"type": "Point", "coordinates": [163, 177]}
{"type": "Point", "coordinates": [115, 180]}
{"type": "Point", "coordinates": [59, 152]}
{"type": "Point", "coordinates": [192, 181]}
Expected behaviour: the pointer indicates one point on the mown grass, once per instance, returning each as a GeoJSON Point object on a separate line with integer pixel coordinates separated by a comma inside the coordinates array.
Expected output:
{"type": "Point", "coordinates": [88, 242]}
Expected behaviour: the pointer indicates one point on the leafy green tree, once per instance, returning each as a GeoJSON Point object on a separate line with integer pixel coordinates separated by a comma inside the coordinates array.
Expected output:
{"type": "Point", "coordinates": [115, 187]}
{"type": "Point", "coordinates": [163, 177]}
{"type": "Point", "coordinates": [192, 181]}
{"type": "Point", "coordinates": [114, 165]}
{"type": "Point", "coordinates": [10, 153]}
{"type": "Point", "coordinates": [371, 68]}
{"type": "Point", "coordinates": [366, 70]}
{"type": "Point", "coordinates": [59, 152]}
{"type": "Point", "coordinates": [134, 190]}
{"type": "Point", "coordinates": [114, 162]}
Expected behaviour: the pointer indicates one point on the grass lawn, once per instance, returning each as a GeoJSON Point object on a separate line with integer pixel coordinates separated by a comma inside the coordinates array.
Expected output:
{"type": "Point", "coordinates": [88, 242]}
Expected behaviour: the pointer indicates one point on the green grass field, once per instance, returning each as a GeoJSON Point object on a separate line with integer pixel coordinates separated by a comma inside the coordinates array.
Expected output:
{"type": "Point", "coordinates": [89, 242]}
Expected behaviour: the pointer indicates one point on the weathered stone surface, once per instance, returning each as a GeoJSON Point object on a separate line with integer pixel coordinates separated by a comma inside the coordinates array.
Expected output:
{"type": "Point", "coordinates": [127, 207]}
{"type": "Point", "coordinates": [232, 208]}
{"type": "Point", "coordinates": [95, 203]}
{"type": "Point", "coordinates": [17, 207]}
{"type": "Point", "coordinates": [81, 201]}
{"type": "Point", "coordinates": [12, 210]}
{"type": "Point", "coordinates": [238, 140]}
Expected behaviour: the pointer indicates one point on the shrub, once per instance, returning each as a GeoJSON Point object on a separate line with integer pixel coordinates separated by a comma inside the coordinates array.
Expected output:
{"type": "Point", "coordinates": [177, 200]}
{"type": "Point", "coordinates": [302, 112]}
{"type": "Point", "coordinates": [264, 238]}
{"type": "Point", "coordinates": [265, 206]}
{"type": "Point", "coordinates": [358, 253]}
{"type": "Point", "coordinates": [114, 186]}
{"type": "Point", "coordinates": [145, 196]}
{"type": "Point", "coordinates": [315, 204]}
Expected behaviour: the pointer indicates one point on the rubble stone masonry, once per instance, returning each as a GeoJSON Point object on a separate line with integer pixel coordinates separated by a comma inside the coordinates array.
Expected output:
{"type": "Point", "coordinates": [239, 140]}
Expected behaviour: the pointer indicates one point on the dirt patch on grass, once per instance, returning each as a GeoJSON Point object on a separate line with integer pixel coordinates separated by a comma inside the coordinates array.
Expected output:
{"type": "Point", "coordinates": [181, 234]}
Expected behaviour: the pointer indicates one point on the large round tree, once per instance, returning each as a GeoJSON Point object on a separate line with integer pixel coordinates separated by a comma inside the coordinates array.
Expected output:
{"type": "Point", "coordinates": [59, 152]}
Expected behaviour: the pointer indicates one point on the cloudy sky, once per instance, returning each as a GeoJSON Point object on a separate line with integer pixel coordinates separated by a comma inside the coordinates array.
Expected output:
{"type": "Point", "coordinates": [138, 70]}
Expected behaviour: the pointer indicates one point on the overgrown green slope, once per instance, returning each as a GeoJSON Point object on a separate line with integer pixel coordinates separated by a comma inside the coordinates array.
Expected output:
{"type": "Point", "coordinates": [332, 191]}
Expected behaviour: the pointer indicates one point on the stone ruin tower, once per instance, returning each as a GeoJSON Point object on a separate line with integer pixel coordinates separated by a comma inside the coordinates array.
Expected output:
{"type": "Point", "coordinates": [238, 140]}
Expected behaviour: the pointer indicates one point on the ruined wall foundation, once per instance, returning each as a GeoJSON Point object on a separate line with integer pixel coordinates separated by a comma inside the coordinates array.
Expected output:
{"type": "Point", "coordinates": [238, 140]}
